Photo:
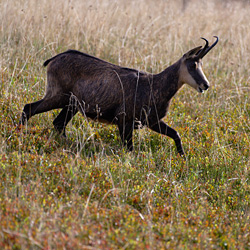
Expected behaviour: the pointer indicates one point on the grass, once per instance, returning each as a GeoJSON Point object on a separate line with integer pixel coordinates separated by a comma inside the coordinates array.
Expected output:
{"type": "Point", "coordinates": [87, 192]}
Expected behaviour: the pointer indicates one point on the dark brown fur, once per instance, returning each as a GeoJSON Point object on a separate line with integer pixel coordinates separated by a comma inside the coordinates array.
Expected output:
{"type": "Point", "coordinates": [109, 93]}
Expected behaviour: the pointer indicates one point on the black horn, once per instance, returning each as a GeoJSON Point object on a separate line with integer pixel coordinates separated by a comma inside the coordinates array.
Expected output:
{"type": "Point", "coordinates": [207, 48]}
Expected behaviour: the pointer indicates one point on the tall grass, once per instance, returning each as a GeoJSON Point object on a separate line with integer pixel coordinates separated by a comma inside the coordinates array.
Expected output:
{"type": "Point", "coordinates": [87, 192]}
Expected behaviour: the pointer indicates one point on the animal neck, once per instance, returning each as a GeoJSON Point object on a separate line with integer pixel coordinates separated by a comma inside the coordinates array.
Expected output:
{"type": "Point", "coordinates": [168, 81]}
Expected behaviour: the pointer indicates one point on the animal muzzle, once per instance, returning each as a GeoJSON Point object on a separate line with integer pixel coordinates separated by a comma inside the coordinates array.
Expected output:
{"type": "Point", "coordinates": [202, 87]}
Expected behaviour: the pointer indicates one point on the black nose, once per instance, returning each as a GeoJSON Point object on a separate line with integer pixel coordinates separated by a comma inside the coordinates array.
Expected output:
{"type": "Point", "coordinates": [206, 86]}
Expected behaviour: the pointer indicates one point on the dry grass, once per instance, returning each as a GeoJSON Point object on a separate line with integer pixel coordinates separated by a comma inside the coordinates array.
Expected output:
{"type": "Point", "coordinates": [88, 193]}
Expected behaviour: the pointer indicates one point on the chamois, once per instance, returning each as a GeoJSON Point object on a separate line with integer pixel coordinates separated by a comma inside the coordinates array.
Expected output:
{"type": "Point", "coordinates": [109, 93]}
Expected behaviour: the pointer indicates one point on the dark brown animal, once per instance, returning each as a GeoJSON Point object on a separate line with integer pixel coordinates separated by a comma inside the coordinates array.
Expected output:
{"type": "Point", "coordinates": [109, 93]}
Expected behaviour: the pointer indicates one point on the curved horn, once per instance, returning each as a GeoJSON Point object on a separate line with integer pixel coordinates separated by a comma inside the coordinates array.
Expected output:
{"type": "Point", "coordinates": [207, 48]}
{"type": "Point", "coordinates": [203, 51]}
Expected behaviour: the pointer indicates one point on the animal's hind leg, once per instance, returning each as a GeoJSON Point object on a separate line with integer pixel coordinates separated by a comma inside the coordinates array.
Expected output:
{"type": "Point", "coordinates": [29, 110]}
{"type": "Point", "coordinates": [44, 105]}
{"type": "Point", "coordinates": [64, 117]}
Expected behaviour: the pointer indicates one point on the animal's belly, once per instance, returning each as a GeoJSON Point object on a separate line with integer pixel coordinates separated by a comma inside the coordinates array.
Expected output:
{"type": "Point", "coordinates": [106, 117]}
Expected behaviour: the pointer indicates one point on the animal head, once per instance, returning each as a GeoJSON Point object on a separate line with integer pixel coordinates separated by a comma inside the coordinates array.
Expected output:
{"type": "Point", "coordinates": [191, 67]}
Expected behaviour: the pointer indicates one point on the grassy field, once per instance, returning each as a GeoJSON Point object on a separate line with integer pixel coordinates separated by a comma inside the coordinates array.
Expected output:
{"type": "Point", "coordinates": [87, 192]}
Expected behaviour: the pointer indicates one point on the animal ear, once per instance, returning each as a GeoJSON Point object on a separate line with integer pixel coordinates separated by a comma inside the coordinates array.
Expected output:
{"type": "Point", "coordinates": [192, 52]}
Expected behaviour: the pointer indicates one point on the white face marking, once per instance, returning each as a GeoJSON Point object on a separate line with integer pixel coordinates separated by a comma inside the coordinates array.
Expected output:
{"type": "Point", "coordinates": [186, 77]}
{"type": "Point", "coordinates": [200, 71]}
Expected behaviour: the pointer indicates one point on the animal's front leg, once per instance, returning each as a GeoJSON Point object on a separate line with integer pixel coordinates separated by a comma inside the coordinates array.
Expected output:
{"type": "Point", "coordinates": [126, 134]}
{"type": "Point", "coordinates": [162, 128]}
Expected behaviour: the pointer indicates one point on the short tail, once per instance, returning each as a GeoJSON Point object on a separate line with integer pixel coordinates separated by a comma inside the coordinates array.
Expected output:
{"type": "Point", "coordinates": [46, 62]}
{"type": "Point", "coordinates": [49, 60]}
{"type": "Point", "coordinates": [52, 58]}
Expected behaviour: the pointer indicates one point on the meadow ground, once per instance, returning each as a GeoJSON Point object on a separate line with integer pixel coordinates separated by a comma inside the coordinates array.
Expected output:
{"type": "Point", "coordinates": [88, 192]}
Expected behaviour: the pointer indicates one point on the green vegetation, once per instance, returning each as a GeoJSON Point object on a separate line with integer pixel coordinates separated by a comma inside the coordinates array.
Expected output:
{"type": "Point", "coordinates": [87, 192]}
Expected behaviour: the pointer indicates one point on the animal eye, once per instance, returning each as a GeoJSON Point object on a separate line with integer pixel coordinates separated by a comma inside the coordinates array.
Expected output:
{"type": "Point", "coordinates": [193, 65]}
